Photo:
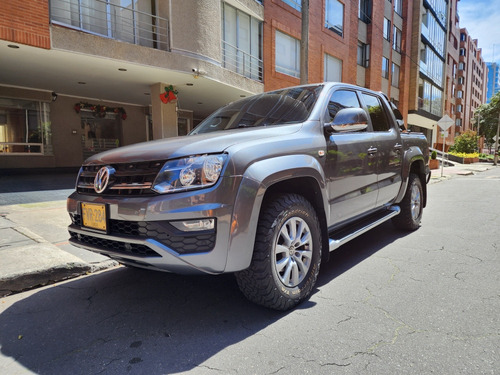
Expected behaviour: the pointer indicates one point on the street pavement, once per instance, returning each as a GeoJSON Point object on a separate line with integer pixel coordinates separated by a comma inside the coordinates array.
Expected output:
{"type": "Point", "coordinates": [34, 248]}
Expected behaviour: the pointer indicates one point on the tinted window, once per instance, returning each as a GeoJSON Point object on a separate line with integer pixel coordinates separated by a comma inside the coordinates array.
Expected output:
{"type": "Point", "coordinates": [273, 108]}
{"type": "Point", "coordinates": [376, 112]}
{"type": "Point", "coordinates": [341, 99]}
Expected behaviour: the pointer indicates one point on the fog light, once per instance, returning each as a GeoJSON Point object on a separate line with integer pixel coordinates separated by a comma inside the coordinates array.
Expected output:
{"type": "Point", "coordinates": [194, 225]}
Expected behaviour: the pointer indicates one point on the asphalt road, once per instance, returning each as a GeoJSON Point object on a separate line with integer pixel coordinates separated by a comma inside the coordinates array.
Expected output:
{"type": "Point", "coordinates": [389, 302]}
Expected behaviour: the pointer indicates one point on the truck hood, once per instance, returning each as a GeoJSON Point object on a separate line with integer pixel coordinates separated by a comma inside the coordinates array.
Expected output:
{"type": "Point", "coordinates": [171, 148]}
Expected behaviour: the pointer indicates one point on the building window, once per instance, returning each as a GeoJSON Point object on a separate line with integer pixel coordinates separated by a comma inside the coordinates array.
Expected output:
{"type": "Point", "coordinates": [334, 16]}
{"type": "Point", "coordinates": [363, 54]}
{"type": "Point", "coordinates": [459, 108]}
{"type": "Point", "coordinates": [333, 69]}
{"type": "Point", "coordinates": [365, 11]}
{"type": "Point", "coordinates": [461, 66]}
{"type": "Point", "coordinates": [395, 75]}
{"type": "Point", "coordinates": [430, 98]}
{"type": "Point", "coordinates": [242, 43]}
{"type": "Point", "coordinates": [462, 51]}
{"type": "Point", "coordinates": [387, 29]}
{"type": "Point", "coordinates": [287, 55]}
{"type": "Point", "coordinates": [396, 42]}
{"type": "Point", "coordinates": [458, 122]}
{"type": "Point", "coordinates": [398, 7]}
{"type": "Point", "coordinates": [385, 67]}
{"type": "Point", "coordinates": [294, 4]}
{"type": "Point", "coordinates": [25, 127]}
{"type": "Point", "coordinates": [460, 94]}
{"type": "Point", "coordinates": [460, 80]}
{"type": "Point", "coordinates": [132, 21]}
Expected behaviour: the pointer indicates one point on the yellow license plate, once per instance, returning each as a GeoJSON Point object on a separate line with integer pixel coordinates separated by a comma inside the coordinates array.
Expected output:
{"type": "Point", "coordinates": [94, 216]}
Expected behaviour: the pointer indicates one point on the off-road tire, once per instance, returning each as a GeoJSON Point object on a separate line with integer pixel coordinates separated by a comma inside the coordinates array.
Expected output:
{"type": "Point", "coordinates": [280, 257]}
{"type": "Point", "coordinates": [412, 206]}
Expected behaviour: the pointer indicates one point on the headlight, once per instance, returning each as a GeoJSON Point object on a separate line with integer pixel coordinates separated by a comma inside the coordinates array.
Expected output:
{"type": "Point", "coordinates": [189, 173]}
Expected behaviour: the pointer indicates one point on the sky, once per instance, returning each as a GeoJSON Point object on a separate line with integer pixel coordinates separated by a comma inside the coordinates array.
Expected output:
{"type": "Point", "coordinates": [481, 18]}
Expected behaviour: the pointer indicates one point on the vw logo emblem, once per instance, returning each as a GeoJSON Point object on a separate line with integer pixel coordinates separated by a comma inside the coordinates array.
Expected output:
{"type": "Point", "coordinates": [102, 178]}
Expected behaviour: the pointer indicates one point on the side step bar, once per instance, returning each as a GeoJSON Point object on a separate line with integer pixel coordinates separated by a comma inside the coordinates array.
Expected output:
{"type": "Point", "coordinates": [365, 226]}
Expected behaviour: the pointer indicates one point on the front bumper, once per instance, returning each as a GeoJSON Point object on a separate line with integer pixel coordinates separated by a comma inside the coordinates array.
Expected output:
{"type": "Point", "coordinates": [139, 232]}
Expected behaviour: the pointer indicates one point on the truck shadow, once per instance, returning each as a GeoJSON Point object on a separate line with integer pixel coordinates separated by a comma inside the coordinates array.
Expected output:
{"type": "Point", "coordinates": [127, 320]}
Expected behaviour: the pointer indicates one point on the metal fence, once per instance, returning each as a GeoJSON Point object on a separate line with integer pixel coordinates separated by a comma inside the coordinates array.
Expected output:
{"type": "Point", "coordinates": [241, 62]}
{"type": "Point", "coordinates": [102, 17]}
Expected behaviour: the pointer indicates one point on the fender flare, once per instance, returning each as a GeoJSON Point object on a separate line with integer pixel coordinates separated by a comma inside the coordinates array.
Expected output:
{"type": "Point", "coordinates": [259, 177]}
{"type": "Point", "coordinates": [412, 155]}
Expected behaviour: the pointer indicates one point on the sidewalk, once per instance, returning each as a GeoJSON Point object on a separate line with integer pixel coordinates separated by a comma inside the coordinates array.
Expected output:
{"type": "Point", "coordinates": [34, 248]}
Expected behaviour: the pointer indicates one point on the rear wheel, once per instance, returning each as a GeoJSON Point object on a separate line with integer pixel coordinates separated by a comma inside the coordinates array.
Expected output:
{"type": "Point", "coordinates": [411, 206]}
{"type": "Point", "coordinates": [287, 254]}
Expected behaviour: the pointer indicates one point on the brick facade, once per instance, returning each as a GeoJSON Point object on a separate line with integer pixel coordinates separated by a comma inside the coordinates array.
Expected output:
{"type": "Point", "coordinates": [25, 22]}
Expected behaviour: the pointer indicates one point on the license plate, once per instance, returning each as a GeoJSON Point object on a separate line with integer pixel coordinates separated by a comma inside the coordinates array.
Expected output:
{"type": "Point", "coordinates": [94, 216]}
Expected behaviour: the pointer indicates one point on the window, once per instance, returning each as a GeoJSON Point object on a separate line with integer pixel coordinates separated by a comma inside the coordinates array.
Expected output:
{"type": "Point", "coordinates": [365, 11]}
{"type": "Point", "coordinates": [363, 54]}
{"type": "Point", "coordinates": [24, 127]}
{"type": "Point", "coordinates": [341, 99]}
{"type": "Point", "coordinates": [461, 66]}
{"type": "Point", "coordinates": [295, 4]}
{"type": "Point", "coordinates": [430, 98]}
{"type": "Point", "coordinates": [458, 122]}
{"type": "Point", "coordinates": [462, 51]}
{"type": "Point", "coordinates": [460, 80]}
{"type": "Point", "coordinates": [398, 7]}
{"type": "Point", "coordinates": [334, 16]}
{"type": "Point", "coordinates": [376, 112]}
{"type": "Point", "coordinates": [459, 108]}
{"type": "Point", "coordinates": [131, 21]}
{"type": "Point", "coordinates": [242, 43]}
{"type": "Point", "coordinates": [387, 29]}
{"type": "Point", "coordinates": [396, 42]}
{"type": "Point", "coordinates": [385, 67]}
{"type": "Point", "coordinates": [460, 94]}
{"type": "Point", "coordinates": [287, 55]}
{"type": "Point", "coordinates": [395, 75]}
{"type": "Point", "coordinates": [333, 69]}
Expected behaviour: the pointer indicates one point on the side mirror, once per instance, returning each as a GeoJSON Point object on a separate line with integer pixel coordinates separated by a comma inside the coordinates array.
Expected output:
{"type": "Point", "coordinates": [348, 120]}
{"type": "Point", "coordinates": [401, 125]}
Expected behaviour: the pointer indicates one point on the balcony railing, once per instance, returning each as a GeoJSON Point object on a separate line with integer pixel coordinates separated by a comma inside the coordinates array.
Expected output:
{"type": "Point", "coordinates": [101, 17]}
{"type": "Point", "coordinates": [241, 62]}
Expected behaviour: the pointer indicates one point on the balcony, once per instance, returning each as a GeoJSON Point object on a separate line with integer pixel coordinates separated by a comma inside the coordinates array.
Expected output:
{"type": "Point", "coordinates": [241, 62]}
{"type": "Point", "coordinates": [132, 24]}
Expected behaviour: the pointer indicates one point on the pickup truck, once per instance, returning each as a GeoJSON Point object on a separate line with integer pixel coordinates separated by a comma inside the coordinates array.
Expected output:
{"type": "Point", "coordinates": [265, 188]}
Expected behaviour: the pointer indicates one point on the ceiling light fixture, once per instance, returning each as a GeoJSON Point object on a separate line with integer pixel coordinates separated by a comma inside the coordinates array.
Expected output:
{"type": "Point", "coordinates": [122, 69]}
{"type": "Point", "coordinates": [13, 46]}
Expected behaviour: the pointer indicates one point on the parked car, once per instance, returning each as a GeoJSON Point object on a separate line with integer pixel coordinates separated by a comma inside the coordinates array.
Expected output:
{"type": "Point", "coordinates": [265, 188]}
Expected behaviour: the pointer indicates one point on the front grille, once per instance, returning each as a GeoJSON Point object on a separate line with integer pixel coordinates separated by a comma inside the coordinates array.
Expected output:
{"type": "Point", "coordinates": [128, 179]}
{"type": "Point", "coordinates": [115, 246]}
{"type": "Point", "coordinates": [163, 232]}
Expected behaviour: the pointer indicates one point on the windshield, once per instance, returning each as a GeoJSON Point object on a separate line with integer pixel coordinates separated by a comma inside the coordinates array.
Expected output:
{"type": "Point", "coordinates": [292, 105]}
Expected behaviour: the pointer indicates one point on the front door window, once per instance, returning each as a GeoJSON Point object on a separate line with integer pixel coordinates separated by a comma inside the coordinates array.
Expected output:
{"type": "Point", "coordinates": [100, 133]}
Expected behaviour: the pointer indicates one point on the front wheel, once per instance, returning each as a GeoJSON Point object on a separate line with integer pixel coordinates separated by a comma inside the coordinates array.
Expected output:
{"type": "Point", "coordinates": [411, 206]}
{"type": "Point", "coordinates": [287, 254]}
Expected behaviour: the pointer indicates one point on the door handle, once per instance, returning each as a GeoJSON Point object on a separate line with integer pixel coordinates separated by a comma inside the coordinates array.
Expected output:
{"type": "Point", "coordinates": [372, 151]}
{"type": "Point", "coordinates": [398, 146]}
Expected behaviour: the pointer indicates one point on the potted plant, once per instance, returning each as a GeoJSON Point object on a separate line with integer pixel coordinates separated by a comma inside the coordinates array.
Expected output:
{"type": "Point", "coordinates": [434, 163]}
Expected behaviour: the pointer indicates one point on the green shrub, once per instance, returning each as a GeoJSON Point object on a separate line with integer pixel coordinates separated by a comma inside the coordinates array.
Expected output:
{"type": "Point", "coordinates": [434, 155]}
{"type": "Point", "coordinates": [465, 143]}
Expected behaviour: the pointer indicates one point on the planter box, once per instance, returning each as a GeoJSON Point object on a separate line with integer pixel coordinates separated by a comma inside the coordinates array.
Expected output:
{"type": "Point", "coordinates": [433, 164]}
{"type": "Point", "coordinates": [463, 160]}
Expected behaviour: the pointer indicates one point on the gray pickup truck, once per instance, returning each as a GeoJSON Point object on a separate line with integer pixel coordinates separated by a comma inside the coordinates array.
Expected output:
{"type": "Point", "coordinates": [265, 188]}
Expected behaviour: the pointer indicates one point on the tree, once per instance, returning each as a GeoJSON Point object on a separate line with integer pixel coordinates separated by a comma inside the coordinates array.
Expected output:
{"type": "Point", "coordinates": [465, 142]}
{"type": "Point", "coordinates": [489, 119]}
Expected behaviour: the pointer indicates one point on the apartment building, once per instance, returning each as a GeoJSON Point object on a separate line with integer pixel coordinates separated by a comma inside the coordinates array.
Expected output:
{"type": "Point", "coordinates": [452, 57]}
{"type": "Point", "coordinates": [472, 79]}
{"type": "Point", "coordinates": [427, 78]}
{"type": "Point", "coordinates": [363, 42]}
{"type": "Point", "coordinates": [493, 84]}
{"type": "Point", "coordinates": [79, 77]}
